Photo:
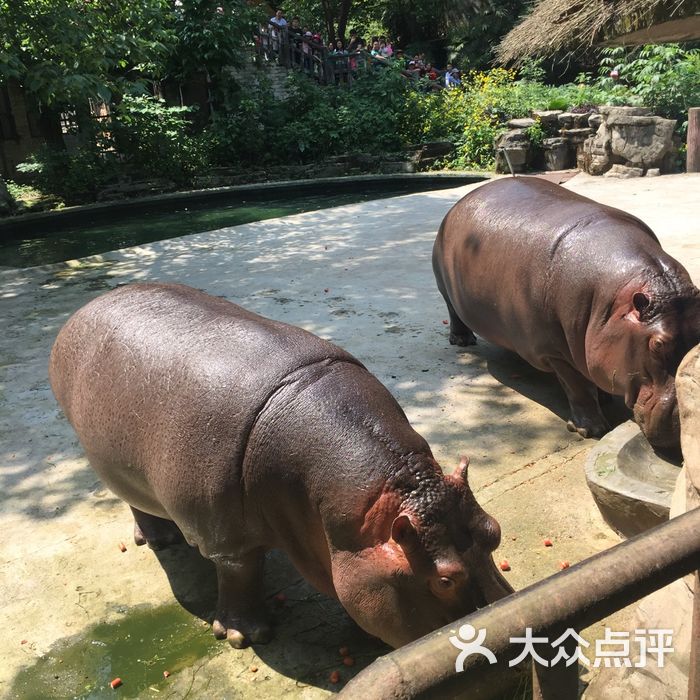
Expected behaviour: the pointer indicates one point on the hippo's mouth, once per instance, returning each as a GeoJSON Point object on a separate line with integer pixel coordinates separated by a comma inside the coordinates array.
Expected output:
{"type": "Point", "coordinates": [656, 413]}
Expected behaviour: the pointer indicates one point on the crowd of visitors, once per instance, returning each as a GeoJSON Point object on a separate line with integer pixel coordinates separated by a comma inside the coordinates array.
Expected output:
{"type": "Point", "coordinates": [308, 45]}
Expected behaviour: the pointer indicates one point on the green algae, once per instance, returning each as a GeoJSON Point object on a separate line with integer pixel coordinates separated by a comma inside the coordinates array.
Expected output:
{"type": "Point", "coordinates": [137, 648]}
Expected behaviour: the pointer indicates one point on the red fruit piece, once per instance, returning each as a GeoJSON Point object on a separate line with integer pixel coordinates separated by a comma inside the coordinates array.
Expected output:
{"type": "Point", "coordinates": [334, 677]}
{"type": "Point", "coordinates": [349, 661]}
{"type": "Point", "coordinates": [280, 598]}
{"type": "Point", "coordinates": [344, 651]}
{"type": "Point", "coordinates": [504, 565]}
{"type": "Point", "coordinates": [445, 321]}
{"type": "Point", "coordinates": [122, 547]}
{"type": "Point", "coordinates": [115, 683]}
{"type": "Point", "coordinates": [547, 542]}
{"type": "Point", "coordinates": [564, 565]}
{"type": "Point", "coordinates": [166, 674]}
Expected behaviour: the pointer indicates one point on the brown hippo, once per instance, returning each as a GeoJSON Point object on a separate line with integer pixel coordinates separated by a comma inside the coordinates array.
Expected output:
{"type": "Point", "coordinates": [575, 288]}
{"type": "Point", "coordinates": [244, 434]}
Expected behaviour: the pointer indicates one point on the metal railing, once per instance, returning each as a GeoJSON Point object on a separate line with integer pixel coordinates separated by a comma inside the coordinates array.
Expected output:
{"type": "Point", "coordinates": [571, 599]}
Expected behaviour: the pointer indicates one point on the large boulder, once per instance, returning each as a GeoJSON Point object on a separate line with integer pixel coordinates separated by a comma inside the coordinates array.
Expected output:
{"type": "Point", "coordinates": [596, 156]}
{"type": "Point", "coordinates": [517, 144]}
{"type": "Point", "coordinates": [640, 141]}
{"type": "Point", "coordinates": [630, 137]}
{"type": "Point", "coordinates": [556, 154]}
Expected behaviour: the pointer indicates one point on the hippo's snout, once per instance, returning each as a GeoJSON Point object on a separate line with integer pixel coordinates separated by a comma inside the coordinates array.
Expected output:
{"type": "Point", "coordinates": [658, 417]}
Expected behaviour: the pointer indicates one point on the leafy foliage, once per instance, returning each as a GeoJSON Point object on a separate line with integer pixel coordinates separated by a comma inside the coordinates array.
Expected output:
{"type": "Point", "coordinates": [665, 78]}
{"type": "Point", "coordinates": [65, 51]}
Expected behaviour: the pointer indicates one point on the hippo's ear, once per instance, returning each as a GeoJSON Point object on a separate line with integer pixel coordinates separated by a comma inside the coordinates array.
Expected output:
{"type": "Point", "coordinates": [404, 533]}
{"type": "Point", "coordinates": [460, 472]}
{"type": "Point", "coordinates": [641, 302]}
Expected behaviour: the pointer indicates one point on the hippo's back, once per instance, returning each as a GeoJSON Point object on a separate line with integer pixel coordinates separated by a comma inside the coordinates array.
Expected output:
{"type": "Point", "coordinates": [518, 256]}
{"type": "Point", "coordinates": [163, 384]}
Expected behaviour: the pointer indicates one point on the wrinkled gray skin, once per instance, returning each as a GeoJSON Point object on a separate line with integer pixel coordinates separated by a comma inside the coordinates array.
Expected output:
{"type": "Point", "coordinates": [244, 434]}
{"type": "Point", "coordinates": [575, 288]}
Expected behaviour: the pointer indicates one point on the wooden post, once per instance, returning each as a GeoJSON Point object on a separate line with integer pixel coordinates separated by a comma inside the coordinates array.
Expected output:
{"type": "Point", "coordinates": [693, 154]}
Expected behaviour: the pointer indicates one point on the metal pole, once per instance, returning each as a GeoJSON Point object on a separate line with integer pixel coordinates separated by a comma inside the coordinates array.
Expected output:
{"type": "Point", "coordinates": [574, 598]}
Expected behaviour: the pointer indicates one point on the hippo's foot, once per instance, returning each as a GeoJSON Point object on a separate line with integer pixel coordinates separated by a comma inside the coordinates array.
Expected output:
{"type": "Point", "coordinates": [241, 616]}
{"type": "Point", "coordinates": [157, 533]}
{"type": "Point", "coordinates": [586, 418]}
{"type": "Point", "coordinates": [242, 630]}
{"type": "Point", "coordinates": [462, 339]}
{"type": "Point", "coordinates": [588, 427]}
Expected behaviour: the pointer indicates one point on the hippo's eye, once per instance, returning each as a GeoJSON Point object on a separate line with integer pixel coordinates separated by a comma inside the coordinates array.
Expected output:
{"type": "Point", "coordinates": [446, 583]}
{"type": "Point", "coordinates": [657, 344]}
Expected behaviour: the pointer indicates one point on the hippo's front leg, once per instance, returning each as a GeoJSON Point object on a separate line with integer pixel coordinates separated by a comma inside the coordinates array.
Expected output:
{"type": "Point", "coordinates": [586, 417]}
{"type": "Point", "coordinates": [241, 615]}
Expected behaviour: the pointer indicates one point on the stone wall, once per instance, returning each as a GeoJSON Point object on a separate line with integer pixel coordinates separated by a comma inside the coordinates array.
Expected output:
{"type": "Point", "coordinates": [611, 141]}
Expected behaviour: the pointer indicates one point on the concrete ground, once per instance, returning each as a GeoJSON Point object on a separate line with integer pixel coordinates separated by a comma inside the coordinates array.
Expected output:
{"type": "Point", "coordinates": [78, 612]}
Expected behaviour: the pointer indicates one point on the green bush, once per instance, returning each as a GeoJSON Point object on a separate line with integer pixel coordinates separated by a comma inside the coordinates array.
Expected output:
{"type": "Point", "coordinates": [154, 140]}
{"type": "Point", "coordinates": [75, 176]}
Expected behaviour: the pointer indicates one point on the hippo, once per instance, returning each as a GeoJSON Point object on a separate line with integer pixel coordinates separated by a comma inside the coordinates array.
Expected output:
{"type": "Point", "coordinates": [240, 434]}
{"type": "Point", "coordinates": [575, 288]}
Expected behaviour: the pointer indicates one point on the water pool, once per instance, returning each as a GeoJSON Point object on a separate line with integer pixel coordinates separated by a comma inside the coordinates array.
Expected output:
{"type": "Point", "coordinates": [50, 238]}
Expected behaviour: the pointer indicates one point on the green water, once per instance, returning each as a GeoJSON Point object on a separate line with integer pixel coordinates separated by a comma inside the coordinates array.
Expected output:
{"type": "Point", "coordinates": [51, 244]}
{"type": "Point", "coordinates": [137, 649]}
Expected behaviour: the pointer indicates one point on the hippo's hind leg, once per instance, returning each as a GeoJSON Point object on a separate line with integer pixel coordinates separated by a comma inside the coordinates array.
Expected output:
{"type": "Point", "coordinates": [241, 615]}
{"type": "Point", "coordinates": [460, 334]}
{"type": "Point", "coordinates": [586, 417]}
{"type": "Point", "coordinates": [157, 533]}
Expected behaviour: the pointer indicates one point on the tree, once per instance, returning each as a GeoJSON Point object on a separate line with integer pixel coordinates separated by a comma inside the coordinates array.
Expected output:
{"type": "Point", "coordinates": [66, 51]}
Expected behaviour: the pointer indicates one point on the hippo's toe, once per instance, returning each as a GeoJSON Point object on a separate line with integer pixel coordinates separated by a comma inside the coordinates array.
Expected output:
{"type": "Point", "coordinates": [588, 429]}
{"type": "Point", "coordinates": [241, 633]}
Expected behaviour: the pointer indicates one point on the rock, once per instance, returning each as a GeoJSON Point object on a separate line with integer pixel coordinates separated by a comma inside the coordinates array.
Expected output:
{"type": "Point", "coordinates": [595, 157]}
{"type": "Point", "coordinates": [517, 144]}
{"type": "Point", "coordinates": [624, 172]}
{"type": "Point", "coordinates": [566, 120]}
{"type": "Point", "coordinates": [595, 120]}
{"type": "Point", "coordinates": [525, 123]}
{"type": "Point", "coordinates": [556, 154]}
{"type": "Point", "coordinates": [548, 117]}
{"type": "Point", "coordinates": [396, 166]}
{"type": "Point", "coordinates": [653, 172]}
{"type": "Point", "coordinates": [641, 141]}
{"type": "Point", "coordinates": [7, 202]}
{"type": "Point", "coordinates": [575, 136]}
{"type": "Point", "coordinates": [614, 112]}
{"type": "Point", "coordinates": [435, 149]}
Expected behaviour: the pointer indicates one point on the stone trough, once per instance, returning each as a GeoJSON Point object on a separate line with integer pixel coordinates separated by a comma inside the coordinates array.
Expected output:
{"type": "Point", "coordinates": [631, 483]}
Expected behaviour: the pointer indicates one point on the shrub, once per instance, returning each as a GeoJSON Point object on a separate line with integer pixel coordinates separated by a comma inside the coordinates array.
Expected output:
{"type": "Point", "coordinates": [76, 176]}
{"type": "Point", "coordinates": [154, 140]}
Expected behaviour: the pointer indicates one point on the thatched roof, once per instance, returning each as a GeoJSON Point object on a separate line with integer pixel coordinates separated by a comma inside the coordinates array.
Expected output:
{"type": "Point", "coordinates": [571, 26]}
